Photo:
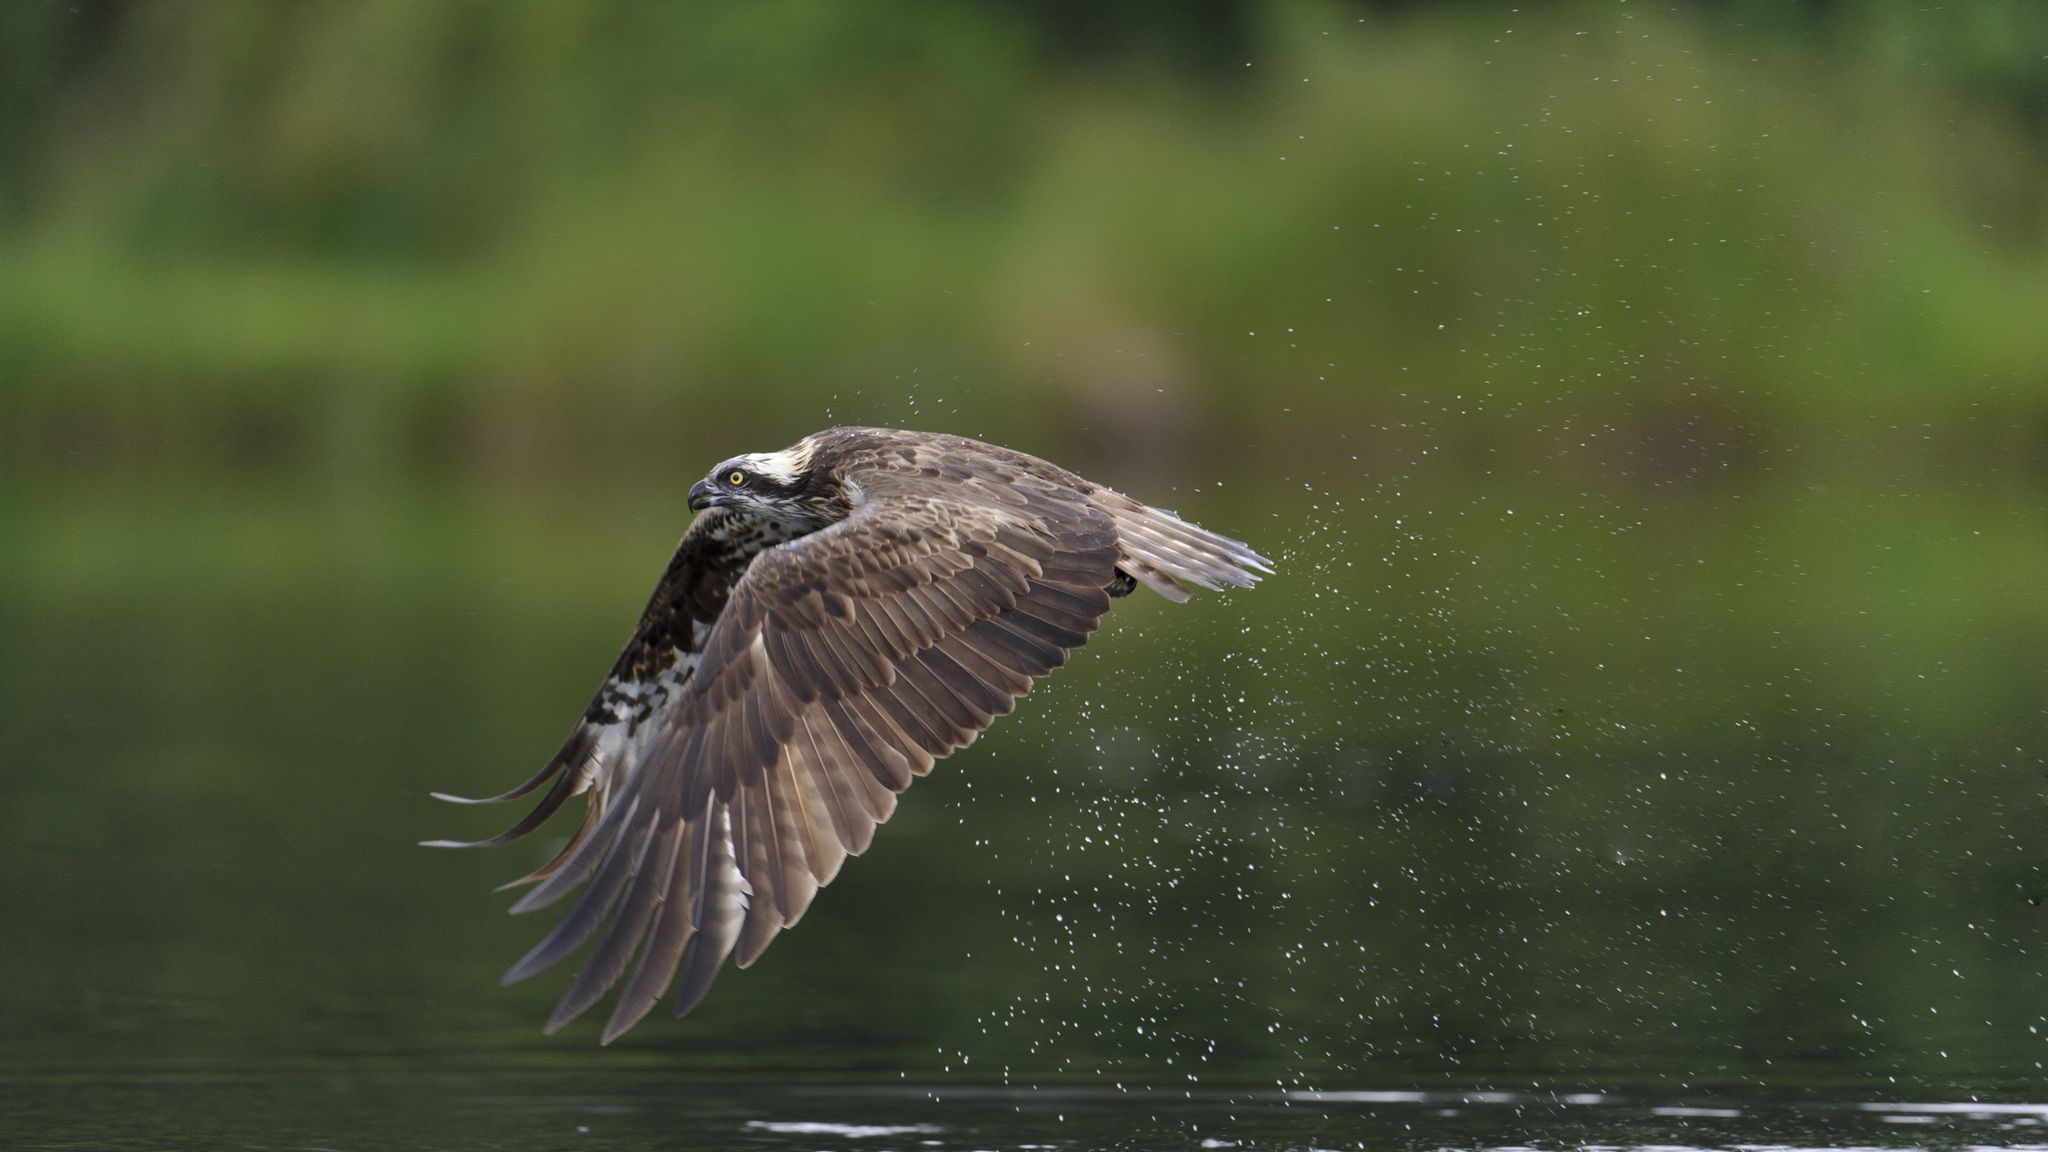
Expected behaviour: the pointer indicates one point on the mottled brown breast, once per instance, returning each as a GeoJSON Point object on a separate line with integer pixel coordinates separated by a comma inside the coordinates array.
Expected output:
{"type": "Point", "coordinates": [711, 557]}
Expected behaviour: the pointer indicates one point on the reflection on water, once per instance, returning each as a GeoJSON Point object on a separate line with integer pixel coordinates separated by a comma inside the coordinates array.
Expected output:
{"type": "Point", "coordinates": [1641, 745]}
{"type": "Point", "coordinates": [642, 1112]}
{"type": "Point", "coordinates": [1432, 859]}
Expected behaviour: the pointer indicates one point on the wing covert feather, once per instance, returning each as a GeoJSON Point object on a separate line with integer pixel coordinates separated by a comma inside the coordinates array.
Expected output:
{"type": "Point", "coordinates": [845, 662]}
{"type": "Point", "coordinates": [814, 678]}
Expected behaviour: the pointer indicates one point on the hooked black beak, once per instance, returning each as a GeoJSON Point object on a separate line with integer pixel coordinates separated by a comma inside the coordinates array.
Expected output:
{"type": "Point", "coordinates": [702, 496]}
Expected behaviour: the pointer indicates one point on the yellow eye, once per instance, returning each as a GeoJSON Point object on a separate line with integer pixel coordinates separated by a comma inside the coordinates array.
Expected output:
{"type": "Point", "coordinates": [735, 477]}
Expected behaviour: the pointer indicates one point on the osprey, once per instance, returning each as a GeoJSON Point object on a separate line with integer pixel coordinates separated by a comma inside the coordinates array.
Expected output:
{"type": "Point", "coordinates": [841, 614]}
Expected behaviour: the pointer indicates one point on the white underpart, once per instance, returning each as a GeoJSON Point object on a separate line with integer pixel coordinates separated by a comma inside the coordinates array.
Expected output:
{"type": "Point", "coordinates": [622, 742]}
{"type": "Point", "coordinates": [620, 745]}
{"type": "Point", "coordinates": [611, 743]}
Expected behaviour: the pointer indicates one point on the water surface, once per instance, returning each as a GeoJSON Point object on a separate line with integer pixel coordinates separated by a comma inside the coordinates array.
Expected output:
{"type": "Point", "coordinates": [348, 1112]}
{"type": "Point", "coordinates": [1258, 869]}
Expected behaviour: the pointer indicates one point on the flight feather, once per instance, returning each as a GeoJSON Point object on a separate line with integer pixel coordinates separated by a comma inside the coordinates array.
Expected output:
{"type": "Point", "coordinates": [839, 616]}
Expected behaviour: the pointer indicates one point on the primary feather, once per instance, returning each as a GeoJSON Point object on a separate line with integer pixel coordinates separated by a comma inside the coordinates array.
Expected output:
{"type": "Point", "coordinates": [842, 614]}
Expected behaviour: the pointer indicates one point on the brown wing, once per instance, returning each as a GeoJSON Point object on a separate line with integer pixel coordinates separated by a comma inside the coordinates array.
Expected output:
{"type": "Point", "coordinates": [845, 663]}
{"type": "Point", "coordinates": [644, 682]}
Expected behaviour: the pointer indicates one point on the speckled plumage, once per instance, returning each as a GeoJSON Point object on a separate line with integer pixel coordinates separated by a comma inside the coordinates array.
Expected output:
{"type": "Point", "coordinates": [840, 615]}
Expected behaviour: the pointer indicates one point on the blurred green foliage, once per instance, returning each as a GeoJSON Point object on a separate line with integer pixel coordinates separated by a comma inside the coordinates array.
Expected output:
{"type": "Point", "coordinates": [1647, 403]}
{"type": "Point", "coordinates": [472, 234]}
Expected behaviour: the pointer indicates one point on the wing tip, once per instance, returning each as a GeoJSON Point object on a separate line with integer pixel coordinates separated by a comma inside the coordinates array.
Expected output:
{"type": "Point", "coordinates": [559, 1019]}
{"type": "Point", "coordinates": [533, 901]}
{"type": "Point", "coordinates": [625, 1014]}
{"type": "Point", "coordinates": [452, 798]}
{"type": "Point", "coordinates": [538, 959]}
{"type": "Point", "coordinates": [688, 998]}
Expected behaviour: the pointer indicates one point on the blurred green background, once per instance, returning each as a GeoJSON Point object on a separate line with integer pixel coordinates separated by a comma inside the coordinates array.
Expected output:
{"type": "Point", "coordinates": [1646, 403]}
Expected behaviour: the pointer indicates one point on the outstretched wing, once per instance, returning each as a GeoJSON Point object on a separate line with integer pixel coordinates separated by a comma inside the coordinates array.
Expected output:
{"type": "Point", "coordinates": [810, 682]}
{"type": "Point", "coordinates": [846, 662]}
{"type": "Point", "coordinates": [644, 682]}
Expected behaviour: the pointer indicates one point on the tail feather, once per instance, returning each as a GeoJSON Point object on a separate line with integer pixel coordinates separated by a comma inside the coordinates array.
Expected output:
{"type": "Point", "coordinates": [572, 770]}
{"type": "Point", "coordinates": [536, 780]}
{"type": "Point", "coordinates": [593, 815]}
{"type": "Point", "coordinates": [578, 768]}
{"type": "Point", "coordinates": [1165, 553]}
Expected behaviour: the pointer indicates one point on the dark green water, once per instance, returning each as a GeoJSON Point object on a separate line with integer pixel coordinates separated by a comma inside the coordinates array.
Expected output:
{"type": "Point", "coordinates": [1689, 841]}
{"type": "Point", "coordinates": [452, 1112]}
{"type": "Point", "coordinates": [1643, 744]}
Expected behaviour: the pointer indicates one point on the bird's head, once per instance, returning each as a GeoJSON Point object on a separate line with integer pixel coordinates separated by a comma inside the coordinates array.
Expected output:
{"type": "Point", "coordinates": [780, 486]}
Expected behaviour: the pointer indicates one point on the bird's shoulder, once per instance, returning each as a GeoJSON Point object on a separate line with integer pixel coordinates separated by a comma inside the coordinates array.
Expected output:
{"type": "Point", "coordinates": [938, 458]}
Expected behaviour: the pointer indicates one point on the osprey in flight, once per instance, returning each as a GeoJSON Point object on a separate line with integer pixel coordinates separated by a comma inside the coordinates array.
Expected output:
{"type": "Point", "coordinates": [842, 613]}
